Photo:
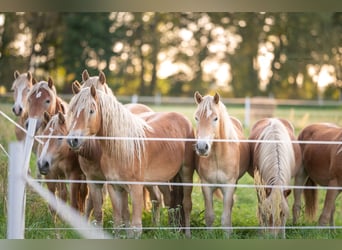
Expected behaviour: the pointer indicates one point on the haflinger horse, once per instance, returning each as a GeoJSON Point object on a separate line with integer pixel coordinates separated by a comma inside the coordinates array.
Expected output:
{"type": "Point", "coordinates": [219, 162]}
{"type": "Point", "coordinates": [133, 158]}
{"type": "Point", "coordinates": [43, 98]}
{"type": "Point", "coordinates": [21, 86]}
{"type": "Point", "coordinates": [321, 166]}
{"type": "Point", "coordinates": [56, 159]}
{"type": "Point", "coordinates": [274, 163]}
{"type": "Point", "coordinates": [90, 154]}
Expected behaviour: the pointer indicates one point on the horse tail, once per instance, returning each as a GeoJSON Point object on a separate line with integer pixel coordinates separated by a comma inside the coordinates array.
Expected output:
{"type": "Point", "coordinates": [311, 199]}
{"type": "Point", "coordinates": [176, 209]}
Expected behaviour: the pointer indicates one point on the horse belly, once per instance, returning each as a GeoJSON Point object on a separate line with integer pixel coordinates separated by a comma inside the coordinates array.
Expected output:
{"type": "Point", "coordinates": [317, 162]}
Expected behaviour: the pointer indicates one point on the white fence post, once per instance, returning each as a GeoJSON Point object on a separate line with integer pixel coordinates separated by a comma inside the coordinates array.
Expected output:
{"type": "Point", "coordinates": [18, 167]}
{"type": "Point", "coordinates": [247, 111]}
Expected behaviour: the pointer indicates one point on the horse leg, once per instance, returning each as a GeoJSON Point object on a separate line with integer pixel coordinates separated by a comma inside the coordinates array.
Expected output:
{"type": "Point", "coordinates": [95, 201]}
{"type": "Point", "coordinates": [187, 177]}
{"type": "Point", "coordinates": [329, 205]}
{"type": "Point", "coordinates": [115, 194]}
{"type": "Point", "coordinates": [228, 200]}
{"type": "Point", "coordinates": [299, 180]}
{"type": "Point", "coordinates": [208, 203]}
{"type": "Point", "coordinates": [137, 208]}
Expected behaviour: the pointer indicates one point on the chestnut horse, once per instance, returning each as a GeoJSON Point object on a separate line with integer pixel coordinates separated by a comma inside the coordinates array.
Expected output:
{"type": "Point", "coordinates": [92, 112]}
{"type": "Point", "coordinates": [21, 87]}
{"type": "Point", "coordinates": [43, 98]}
{"type": "Point", "coordinates": [322, 166]}
{"type": "Point", "coordinates": [219, 162]}
{"type": "Point", "coordinates": [56, 159]}
{"type": "Point", "coordinates": [90, 153]}
{"type": "Point", "coordinates": [274, 164]}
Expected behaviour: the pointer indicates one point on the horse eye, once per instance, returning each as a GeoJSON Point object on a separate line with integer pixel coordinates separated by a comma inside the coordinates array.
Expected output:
{"type": "Point", "coordinates": [215, 119]}
{"type": "Point", "coordinates": [91, 111]}
{"type": "Point", "coordinates": [47, 101]}
{"type": "Point", "coordinates": [196, 119]}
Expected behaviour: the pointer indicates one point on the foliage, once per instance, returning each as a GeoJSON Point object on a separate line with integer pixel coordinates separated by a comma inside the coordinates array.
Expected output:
{"type": "Point", "coordinates": [178, 53]}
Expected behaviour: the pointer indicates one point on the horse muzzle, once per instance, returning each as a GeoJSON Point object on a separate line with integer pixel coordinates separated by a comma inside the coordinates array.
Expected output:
{"type": "Point", "coordinates": [43, 167]}
{"type": "Point", "coordinates": [202, 148]}
{"type": "Point", "coordinates": [74, 141]}
{"type": "Point", "coordinates": [17, 110]}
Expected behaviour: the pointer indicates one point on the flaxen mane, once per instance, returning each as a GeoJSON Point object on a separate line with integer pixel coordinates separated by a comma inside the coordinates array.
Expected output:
{"type": "Point", "coordinates": [205, 110]}
{"type": "Point", "coordinates": [117, 121]}
{"type": "Point", "coordinates": [273, 168]}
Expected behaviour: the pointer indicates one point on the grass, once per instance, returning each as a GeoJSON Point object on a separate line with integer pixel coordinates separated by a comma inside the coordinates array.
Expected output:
{"type": "Point", "coordinates": [41, 225]}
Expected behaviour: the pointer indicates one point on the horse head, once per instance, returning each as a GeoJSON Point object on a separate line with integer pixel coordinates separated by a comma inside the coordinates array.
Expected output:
{"type": "Point", "coordinates": [21, 87]}
{"type": "Point", "coordinates": [84, 116]}
{"type": "Point", "coordinates": [207, 117]}
{"type": "Point", "coordinates": [54, 148]}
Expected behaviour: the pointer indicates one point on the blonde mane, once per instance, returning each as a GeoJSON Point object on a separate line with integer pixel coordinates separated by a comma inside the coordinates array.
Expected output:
{"type": "Point", "coordinates": [273, 168]}
{"type": "Point", "coordinates": [275, 159]}
{"type": "Point", "coordinates": [205, 109]}
{"type": "Point", "coordinates": [94, 80]}
{"type": "Point", "coordinates": [21, 79]}
{"type": "Point", "coordinates": [117, 121]}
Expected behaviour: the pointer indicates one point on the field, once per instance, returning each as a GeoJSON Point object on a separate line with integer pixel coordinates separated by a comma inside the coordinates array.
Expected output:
{"type": "Point", "coordinates": [40, 225]}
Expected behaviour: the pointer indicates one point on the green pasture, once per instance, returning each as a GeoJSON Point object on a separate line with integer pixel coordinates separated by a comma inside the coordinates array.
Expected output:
{"type": "Point", "coordinates": [40, 224]}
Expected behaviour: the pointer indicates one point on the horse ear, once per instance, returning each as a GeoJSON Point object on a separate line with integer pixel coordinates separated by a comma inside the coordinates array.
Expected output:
{"type": "Point", "coordinates": [47, 117]}
{"type": "Point", "coordinates": [85, 75]}
{"type": "Point", "coordinates": [76, 87]}
{"type": "Point", "coordinates": [102, 77]}
{"type": "Point", "coordinates": [34, 81]}
{"type": "Point", "coordinates": [287, 192]}
{"type": "Point", "coordinates": [216, 98]}
{"type": "Point", "coordinates": [29, 76]}
{"type": "Point", "coordinates": [61, 118]}
{"type": "Point", "coordinates": [93, 91]}
{"type": "Point", "coordinates": [50, 82]}
{"type": "Point", "coordinates": [16, 74]}
{"type": "Point", "coordinates": [198, 97]}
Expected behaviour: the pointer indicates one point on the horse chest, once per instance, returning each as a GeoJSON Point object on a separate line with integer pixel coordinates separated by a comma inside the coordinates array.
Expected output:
{"type": "Point", "coordinates": [215, 172]}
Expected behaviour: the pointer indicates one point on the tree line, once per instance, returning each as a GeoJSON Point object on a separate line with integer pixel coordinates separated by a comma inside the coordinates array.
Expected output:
{"type": "Point", "coordinates": [283, 54]}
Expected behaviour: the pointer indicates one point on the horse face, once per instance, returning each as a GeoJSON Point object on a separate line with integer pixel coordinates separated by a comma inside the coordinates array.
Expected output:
{"type": "Point", "coordinates": [207, 126]}
{"type": "Point", "coordinates": [85, 122]}
{"type": "Point", "coordinates": [21, 86]}
{"type": "Point", "coordinates": [40, 101]}
{"type": "Point", "coordinates": [54, 149]}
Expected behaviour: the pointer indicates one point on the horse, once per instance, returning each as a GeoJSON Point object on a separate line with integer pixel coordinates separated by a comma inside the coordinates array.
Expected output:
{"type": "Point", "coordinates": [93, 112]}
{"type": "Point", "coordinates": [274, 164]}
{"type": "Point", "coordinates": [42, 98]}
{"type": "Point", "coordinates": [56, 159]}
{"type": "Point", "coordinates": [321, 166]}
{"type": "Point", "coordinates": [219, 162]}
{"type": "Point", "coordinates": [91, 152]}
{"type": "Point", "coordinates": [21, 86]}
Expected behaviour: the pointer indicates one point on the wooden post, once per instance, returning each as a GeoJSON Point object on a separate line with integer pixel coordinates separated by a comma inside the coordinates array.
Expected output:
{"type": "Point", "coordinates": [247, 111]}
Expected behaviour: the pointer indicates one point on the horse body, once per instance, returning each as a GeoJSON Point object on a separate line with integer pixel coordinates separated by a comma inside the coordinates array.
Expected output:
{"type": "Point", "coordinates": [219, 162]}
{"type": "Point", "coordinates": [43, 98]}
{"type": "Point", "coordinates": [93, 112]}
{"type": "Point", "coordinates": [322, 166]}
{"type": "Point", "coordinates": [274, 164]}
{"type": "Point", "coordinates": [56, 159]}
{"type": "Point", "coordinates": [21, 87]}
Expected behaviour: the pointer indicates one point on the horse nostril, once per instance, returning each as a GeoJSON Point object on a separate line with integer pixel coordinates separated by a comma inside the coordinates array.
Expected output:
{"type": "Point", "coordinates": [206, 146]}
{"type": "Point", "coordinates": [20, 110]}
